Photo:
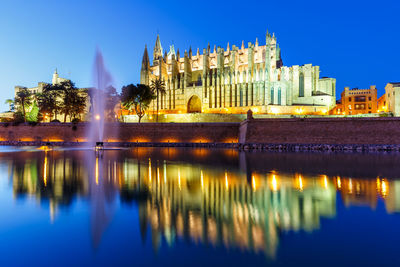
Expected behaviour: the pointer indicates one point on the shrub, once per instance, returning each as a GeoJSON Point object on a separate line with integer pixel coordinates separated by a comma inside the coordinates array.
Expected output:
{"type": "Point", "coordinates": [18, 118]}
{"type": "Point", "coordinates": [55, 120]}
{"type": "Point", "coordinates": [75, 120]}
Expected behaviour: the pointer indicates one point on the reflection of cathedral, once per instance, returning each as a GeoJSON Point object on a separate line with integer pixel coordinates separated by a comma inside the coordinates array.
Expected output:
{"type": "Point", "coordinates": [223, 208]}
{"type": "Point", "coordinates": [199, 203]}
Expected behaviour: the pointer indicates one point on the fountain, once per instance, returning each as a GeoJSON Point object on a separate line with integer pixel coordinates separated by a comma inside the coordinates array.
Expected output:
{"type": "Point", "coordinates": [101, 80]}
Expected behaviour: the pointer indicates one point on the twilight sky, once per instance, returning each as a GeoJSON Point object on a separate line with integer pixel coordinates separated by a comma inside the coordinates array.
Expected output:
{"type": "Point", "coordinates": [356, 42]}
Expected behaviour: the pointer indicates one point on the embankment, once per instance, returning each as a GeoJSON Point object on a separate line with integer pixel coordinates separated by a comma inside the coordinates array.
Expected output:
{"type": "Point", "coordinates": [267, 134]}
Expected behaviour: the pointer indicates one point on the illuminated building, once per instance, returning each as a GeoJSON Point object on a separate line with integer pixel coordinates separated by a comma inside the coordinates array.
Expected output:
{"type": "Point", "coordinates": [357, 101]}
{"type": "Point", "coordinates": [236, 79]}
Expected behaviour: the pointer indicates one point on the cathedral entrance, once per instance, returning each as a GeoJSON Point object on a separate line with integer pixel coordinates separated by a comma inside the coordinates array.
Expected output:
{"type": "Point", "coordinates": [194, 104]}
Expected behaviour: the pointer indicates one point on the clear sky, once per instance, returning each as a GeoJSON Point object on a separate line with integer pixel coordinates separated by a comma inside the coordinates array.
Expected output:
{"type": "Point", "coordinates": [356, 42]}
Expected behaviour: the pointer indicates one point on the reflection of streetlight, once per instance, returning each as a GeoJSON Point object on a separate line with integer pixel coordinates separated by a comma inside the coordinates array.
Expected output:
{"type": "Point", "coordinates": [97, 117]}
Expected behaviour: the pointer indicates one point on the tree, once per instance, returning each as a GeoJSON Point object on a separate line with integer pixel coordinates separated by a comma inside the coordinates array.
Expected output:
{"type": "Point", "coordinates": [112, 99]}
{"type": "Point", "coordinates": [72, 101]}
{"type": "Point", "coordinates": [23, 99]}
{"type": "Point", "coordinates": [49, 100]}
{"type": "Point", "coordinates": [158, 87]}
{"type": "Point", "coordinates": [47, 103]}
{"type": "Point", "coordinates": [10, 103]}
{"type": "Point", "coordinates": [137, 97]}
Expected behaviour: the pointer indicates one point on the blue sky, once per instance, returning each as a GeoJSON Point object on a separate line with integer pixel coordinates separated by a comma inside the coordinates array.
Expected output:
{"type": "Point", "coordinates": [356, 42]}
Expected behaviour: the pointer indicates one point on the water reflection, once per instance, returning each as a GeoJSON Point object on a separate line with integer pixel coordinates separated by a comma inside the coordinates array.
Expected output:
{"type": "Point", "coordinates": [218, 198]}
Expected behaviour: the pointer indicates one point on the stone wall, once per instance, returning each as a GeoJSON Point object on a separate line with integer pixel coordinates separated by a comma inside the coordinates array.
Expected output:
{"type": "Point", "coordinates": [321, 131]}
{"type": "Point", "coordinates": [338, 131]}
{"type": "Point", "coordinates": [124, 132]}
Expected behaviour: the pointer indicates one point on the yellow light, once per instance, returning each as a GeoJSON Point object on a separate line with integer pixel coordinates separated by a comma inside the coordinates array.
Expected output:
{"type": "Point", "coordinates": [339, 183]}
{"type": "Point", "coordinates": [324, 111]}
{"type": "Point", "coordinates": [255, 110]}
{"type": "Point", "coordinates": [274, 183]}
{"type": "Point", "coordinates": [350, 186]}
{"type": "Point", "coordinates": [274, 110]}
{"type": "Point", "coordinates": [45, 169]}
{"type": "Point", "coordinates": [325, 182]}
{"type": "Point", "coordinates": [158, 175]}
{"type": "Point", "coordinates": [149, 170]}
{"type": "Point", "coordinates": [97, 117]}
{"type": "Point", "coordinates": [179, 179]}
{"type": "Point", "coordinates": [201, 179]}
{"type": "Point", "coordinates": [301, 186]}
{"type": "Point", "coordinates": [226, 180]}
{"type": "Point", "coordinates": [299, 110]}
{"type": "Point", "coordinates": [97, 171]}
{"type": "Point", "coordinates": [253, 182]}
{"type": "Point", "coordinates": [151, 117]}
{"type": "Point", "coordinates": [384, 189]}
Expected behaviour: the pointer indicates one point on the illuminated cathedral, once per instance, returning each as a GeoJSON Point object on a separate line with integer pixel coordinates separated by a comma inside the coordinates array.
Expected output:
{"type": "Point", "coordinates": [236, 79]}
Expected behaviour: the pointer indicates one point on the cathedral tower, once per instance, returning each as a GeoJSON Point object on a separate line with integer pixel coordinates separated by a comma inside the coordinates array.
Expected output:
{"type": "Point", "coordinates": [144, 72]}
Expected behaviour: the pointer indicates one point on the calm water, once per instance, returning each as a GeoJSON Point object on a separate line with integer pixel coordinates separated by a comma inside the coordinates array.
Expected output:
{"type": "Point", "coordinates": [198, 207]}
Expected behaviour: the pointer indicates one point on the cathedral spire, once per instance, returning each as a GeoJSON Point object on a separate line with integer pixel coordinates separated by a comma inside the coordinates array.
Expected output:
{"type": "Point", "coordinates": [215, 49]}
{"type": "Point", "coordinates": [190, 52]}
{"type": "Point", "coordinates": [198, 52]}
{"type": "Point", "coordinates": [242, 45]}
{"type": "Point", "coordinates": [227, 48]}
{"type": "Point", "coordinates": [158, 51]}
{"type": "Point", "coordinates": [208, 48]}
{"type": "Point", "coordinates": [145, 60]}
{"type": "Point", "coordinates": [256, 42]}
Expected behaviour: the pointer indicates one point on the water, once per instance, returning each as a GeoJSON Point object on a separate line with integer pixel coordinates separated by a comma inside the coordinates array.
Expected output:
{"type": "Point", "coordinates": [168, 206]}
{"type": "Point", "coordinates": [102, 80]}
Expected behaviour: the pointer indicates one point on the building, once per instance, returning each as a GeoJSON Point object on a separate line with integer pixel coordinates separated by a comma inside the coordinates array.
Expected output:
{"type": "Point", "coordinates": [236, 79]}
{"type": "Point", "coordinates": [56, 79]}
{"type": "Point", "coordinates": [390, 101]}
{"type": "Point", "coordinates": [357, 101]}
{"type": "Point", "coordinates": [39, 88]}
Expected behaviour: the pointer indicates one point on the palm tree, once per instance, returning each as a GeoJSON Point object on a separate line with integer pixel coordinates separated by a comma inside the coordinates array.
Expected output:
{"type": "Point", "coordinates": [10, 103]}
{"type": "Point", "coordinates": [158, 87]}
{"type": "Point", "coordinates": [23, 98]}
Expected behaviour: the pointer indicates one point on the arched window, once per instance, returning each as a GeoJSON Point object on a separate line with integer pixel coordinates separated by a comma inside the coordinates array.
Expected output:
{"type": "Point", "coordinates": [301, 85]}
{"type": "Point", "coordinates": [272, 95]}
{"type": "Point", "coordinates": [279, 96]}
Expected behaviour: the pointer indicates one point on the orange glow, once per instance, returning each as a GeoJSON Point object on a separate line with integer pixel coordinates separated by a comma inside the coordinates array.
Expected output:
{"type": "Point", "coordinates": [200, 140]}
{"type": "Point", "coordinates": [140, 140]}
{"type": "Point", "coordinates": [338, 182]}
{"type": "Point", "coordinates": [253, 183]}
{"type": "Point", "coordinates": [26, 139]}
{"type": "Point", "coordinates": [231, 140]}
{"type": "Point", "coordinates": [170, 140]}
{"type": "Point", "coordinates": [55, 140]}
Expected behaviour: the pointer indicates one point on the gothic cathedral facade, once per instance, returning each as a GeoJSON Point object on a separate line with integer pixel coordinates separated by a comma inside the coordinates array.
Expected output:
{"type": "Point", "coordinates": [236, 80]}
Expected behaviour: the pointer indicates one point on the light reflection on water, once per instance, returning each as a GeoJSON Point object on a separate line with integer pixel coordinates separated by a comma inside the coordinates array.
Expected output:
{"type": "Point", "coordinates": [231, 201]}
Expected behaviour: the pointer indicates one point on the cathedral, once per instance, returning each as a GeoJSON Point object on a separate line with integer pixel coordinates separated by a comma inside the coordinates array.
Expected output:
{"type": "Point", "coordinates": [236, 79]}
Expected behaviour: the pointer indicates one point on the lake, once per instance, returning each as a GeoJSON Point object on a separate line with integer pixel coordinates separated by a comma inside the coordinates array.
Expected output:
{"type": "Point", "coordinates": [197, 206]}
